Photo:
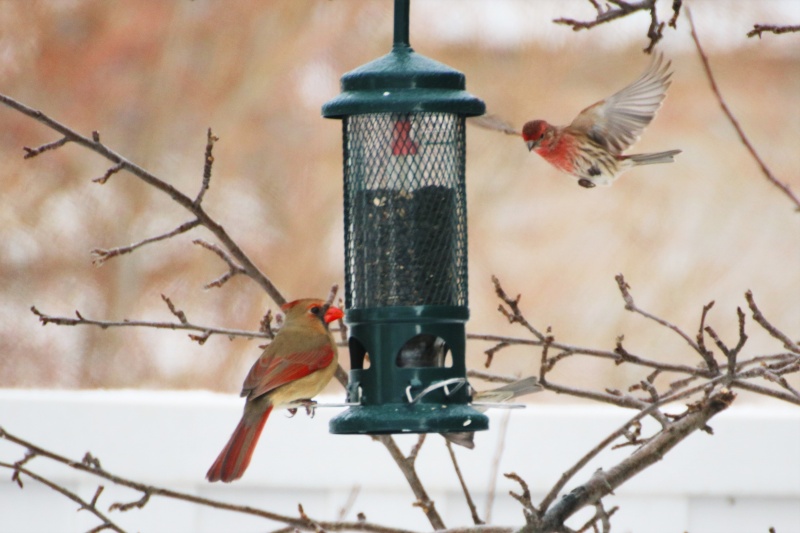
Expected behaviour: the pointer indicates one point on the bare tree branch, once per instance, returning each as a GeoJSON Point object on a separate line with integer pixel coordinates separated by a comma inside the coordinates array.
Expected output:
{"type": "Point", "coordinates": [758, 29]}
{"type": "Point", "coordinates": [80, 320]}
{"type": "Point", "coordinates": [476, 519]}
{"type": "Point", "coordinates": [406, 465]}
{"type": "Point", "coordinates": [107, 523]}
{"type": "Point", "coordinates": [758, 316]}
{"type": "Point", "coordinates": [603, 483]}
{"type": "Point", "coordinates": [735, 123]}
{"type": "Point", "coordinates": [100, 255]}
{"type": "Point", "coordinates": [208, 163]}
{"type": "Point", "coordinates": [233, 268]}
{"type": "Point", "coordinates": [187, 203]}
{"type": "Point", "coordinates": [495, 468]}
{"type": "Point", "coordinates": [623, 9]}
{"type": "Point", "coordinates": [149, 491]}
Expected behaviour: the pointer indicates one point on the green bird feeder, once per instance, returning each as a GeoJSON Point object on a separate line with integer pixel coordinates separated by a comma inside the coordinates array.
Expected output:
{"type": "Point", "coordinates": [405, 231]}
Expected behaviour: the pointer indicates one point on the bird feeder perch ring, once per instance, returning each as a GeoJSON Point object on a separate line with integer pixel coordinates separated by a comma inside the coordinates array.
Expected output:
{"type": "Point", "coordinates": [458, 382]}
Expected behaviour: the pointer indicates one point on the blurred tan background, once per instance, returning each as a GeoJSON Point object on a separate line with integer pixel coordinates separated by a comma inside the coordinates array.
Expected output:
{"type": "Point", "coordinates": [152, 76]}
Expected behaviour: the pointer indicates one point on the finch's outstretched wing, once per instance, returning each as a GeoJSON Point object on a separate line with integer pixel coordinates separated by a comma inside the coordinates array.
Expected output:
{"type": "Point", "coordinates": [617, 121]}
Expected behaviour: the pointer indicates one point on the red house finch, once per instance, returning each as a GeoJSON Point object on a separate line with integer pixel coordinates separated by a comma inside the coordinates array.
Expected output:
{"type": "Point", "coordinates": [591, 147]}
{"type": "Point", "coordinates": [296, 365]}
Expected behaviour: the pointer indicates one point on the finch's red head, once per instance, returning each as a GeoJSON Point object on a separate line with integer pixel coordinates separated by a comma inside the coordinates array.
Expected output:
{"type": "Point", "coordinates": [534, 131]}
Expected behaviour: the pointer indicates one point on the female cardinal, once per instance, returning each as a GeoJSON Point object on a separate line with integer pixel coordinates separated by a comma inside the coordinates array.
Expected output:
{"type": "Point", "coordinates": [296, 365]}
{"type": "Point", "coordinates": [591, 147]}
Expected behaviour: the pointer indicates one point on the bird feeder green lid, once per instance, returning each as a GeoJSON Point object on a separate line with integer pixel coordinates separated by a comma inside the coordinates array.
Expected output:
{"type": "Point", "coordinates": [403, 81]}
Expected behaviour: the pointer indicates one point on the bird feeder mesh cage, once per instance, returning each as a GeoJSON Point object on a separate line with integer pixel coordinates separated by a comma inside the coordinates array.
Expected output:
{"type": "Point", "coordinates": [405, 210]}
{"type": "Point", "coordinates": [405, 230]}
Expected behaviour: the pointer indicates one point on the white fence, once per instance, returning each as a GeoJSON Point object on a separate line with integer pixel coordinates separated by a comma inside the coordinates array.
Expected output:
{"type": "Point", "coordinates": [745, 478]}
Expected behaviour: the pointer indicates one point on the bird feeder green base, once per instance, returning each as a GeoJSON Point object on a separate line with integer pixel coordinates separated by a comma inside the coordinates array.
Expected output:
{"type": "Point", "coordinates": [416, 418]}
{"type": "Point", "coordinates": [415, 381]}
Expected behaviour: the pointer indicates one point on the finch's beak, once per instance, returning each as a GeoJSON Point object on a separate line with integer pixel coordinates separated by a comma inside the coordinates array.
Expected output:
{"type": "Point", "coordinates": [532, 145]}
{"type": "Point", "coordinates": [333, 313]}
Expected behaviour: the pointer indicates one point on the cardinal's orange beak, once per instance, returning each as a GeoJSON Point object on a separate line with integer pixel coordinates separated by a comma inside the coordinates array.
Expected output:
{"type": "Point", "coordinates": [333, 313]}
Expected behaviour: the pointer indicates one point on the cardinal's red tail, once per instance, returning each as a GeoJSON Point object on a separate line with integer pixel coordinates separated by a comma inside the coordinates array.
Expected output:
{"type": "Point", "coordinates": [234, 458]}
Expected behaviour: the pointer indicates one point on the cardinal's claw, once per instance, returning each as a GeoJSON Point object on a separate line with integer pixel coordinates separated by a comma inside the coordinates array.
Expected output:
{"type": "Point", "coordinates": [310, 406]}
{"type": "Point", "coordinates": [292, 411]}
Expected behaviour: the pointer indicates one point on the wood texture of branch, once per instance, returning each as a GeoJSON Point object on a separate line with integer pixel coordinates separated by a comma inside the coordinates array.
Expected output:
{"type": "Point", "coordinates": [758, 29]}
{"type": "Point", "coordinates": [603, 483]}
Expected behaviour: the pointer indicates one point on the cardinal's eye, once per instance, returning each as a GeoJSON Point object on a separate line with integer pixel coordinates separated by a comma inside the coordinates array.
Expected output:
{"type": "Point", "coordinates": [315, 310]}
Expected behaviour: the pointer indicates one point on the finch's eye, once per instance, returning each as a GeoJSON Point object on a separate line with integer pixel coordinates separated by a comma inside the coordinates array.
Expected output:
{"type": "Point", "coordinates": [316, 310]}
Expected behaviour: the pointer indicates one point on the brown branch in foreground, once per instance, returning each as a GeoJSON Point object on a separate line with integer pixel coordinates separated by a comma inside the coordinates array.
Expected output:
{"type": "Point", "coordinates": [149, 491]}
{"type": "Point", "coordinates": [94, 144]}
{"type": "Point", "coordinates": [735, 123]}
{"type": "Point", "coordinates": [604, 482]}
{"type": "Point", "coordinates": [772, 368]}
{"type": "Point", "coordinates": [758, 29]}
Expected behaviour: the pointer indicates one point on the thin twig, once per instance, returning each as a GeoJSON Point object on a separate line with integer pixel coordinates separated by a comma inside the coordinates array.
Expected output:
{"type": "Point", "coordinates": [349, 502]}
{"type": "Point", "coordinates": [758, 29]}
{"type": "Point", "coordinates": [100, 255]}
{"type": "Point", "coordinates": [184, 201]}
{"type": "Point", "coordinates": [84, 505]}
{"type": "Point", "coordinates": [33, 152]}
{"type": "Point", "coordinates": [80, 320]}
{"type": "Point", "coordinates": [630, 305]}
{"type": "Point", "coordinates": [759, 317]}
{"type": "Point", "coordinates": [110, 172]}
{"type": "Point", "coordinates": [233, 268]}
{"type": "Point", "coordinates": [494, 471]}
{"type": "Point", "coordinates": [623, 9]}
{"type": "Point", "coordinates": [476, 519]}
{"type": "Point", "coordinates": [208, 162]}
{"type": "Point", "coordinates": [725, 109]}
{"type": "Point", "coordinates": [513, 313]}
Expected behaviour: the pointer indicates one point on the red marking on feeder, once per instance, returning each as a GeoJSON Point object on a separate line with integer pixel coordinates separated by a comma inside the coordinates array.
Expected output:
{"type": "Point", "coordinates": [402, 143]}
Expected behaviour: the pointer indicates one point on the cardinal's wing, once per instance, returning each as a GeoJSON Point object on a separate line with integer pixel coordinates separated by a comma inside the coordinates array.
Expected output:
{"type": "Point", "coordinates": [278, 366]}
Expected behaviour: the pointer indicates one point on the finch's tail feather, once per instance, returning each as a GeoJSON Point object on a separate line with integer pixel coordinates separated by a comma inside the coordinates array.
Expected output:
{"type": "Point", "coordinates": [234, 458]}
{"type": "Point", "coordinates": [658, 157]}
